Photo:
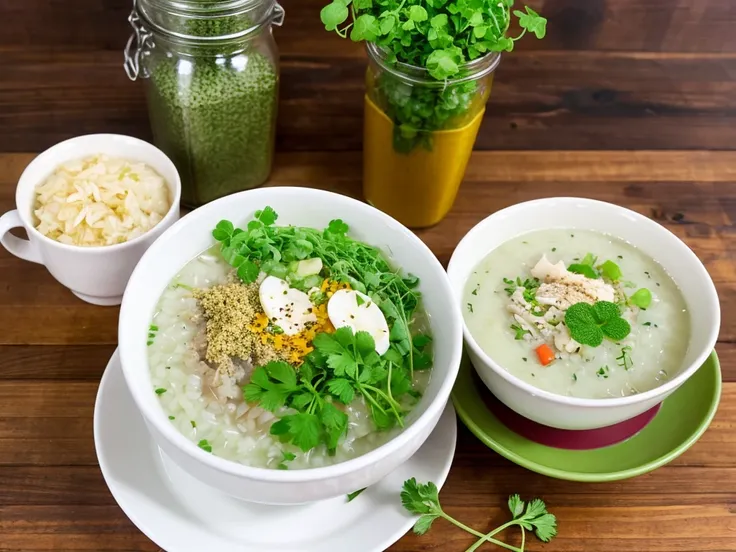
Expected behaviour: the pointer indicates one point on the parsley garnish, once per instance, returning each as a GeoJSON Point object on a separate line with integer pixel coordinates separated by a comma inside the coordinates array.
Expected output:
{"type": "Point", "coordinates": [624, 360]}
{"type": "Point", "coordinates": [589, 324]}
{"type": "Point", "coordinates": [603, 372]}
{"type": "Point", "coordinates": [204, 445]}
{"type": "Point", "coordinates": [470, 308]}
{"type": "Point", "coordinates": [160, 391]}
{"type": "Point", "coordinates": [520, 332]}
{"type": "Point", "coordinates": [422, 499]}
{"type": "Point", "coordinates": [172, 418]}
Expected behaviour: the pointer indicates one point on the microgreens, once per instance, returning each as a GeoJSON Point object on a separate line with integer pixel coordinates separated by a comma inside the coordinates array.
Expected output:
{"type": "Point", "coordinates": [589, 324]}
{"type": "Point", "coordinates": [422, 499]}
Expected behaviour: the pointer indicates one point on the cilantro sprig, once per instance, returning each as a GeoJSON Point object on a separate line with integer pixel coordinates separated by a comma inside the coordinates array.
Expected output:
{"type": "Point", "coordinates": [589, 324]}
{"type": "Point", "coordinates": [342, 366]}
{"type": "Point", "coordinates": [422, 499]}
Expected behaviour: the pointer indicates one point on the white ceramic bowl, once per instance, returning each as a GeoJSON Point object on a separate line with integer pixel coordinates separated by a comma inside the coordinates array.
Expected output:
{"type": "Point", "coordinates": [94, 274]}
{"type": "Point", "coordinates": [583, 214]}
{"type": "Point", "coordinates": [303, 207]}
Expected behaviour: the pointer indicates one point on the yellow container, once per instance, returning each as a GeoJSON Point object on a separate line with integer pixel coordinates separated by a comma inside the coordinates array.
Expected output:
{"type": "Point", "coordinates": [418, 136]}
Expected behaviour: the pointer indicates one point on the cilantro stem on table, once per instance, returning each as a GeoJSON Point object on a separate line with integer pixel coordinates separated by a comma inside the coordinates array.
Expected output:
{"type": "Point", "coordinates": [422, 499]}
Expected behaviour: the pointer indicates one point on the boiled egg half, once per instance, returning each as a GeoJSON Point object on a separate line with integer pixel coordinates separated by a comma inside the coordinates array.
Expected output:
{"type": "Point", "coordinates": [356, 310]}
{"type": "Point", "coordinates": [286, 307]}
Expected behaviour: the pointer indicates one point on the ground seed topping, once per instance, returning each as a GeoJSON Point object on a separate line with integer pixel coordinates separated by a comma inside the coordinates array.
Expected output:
{"type": "Point", "coordinates": [230, 310]}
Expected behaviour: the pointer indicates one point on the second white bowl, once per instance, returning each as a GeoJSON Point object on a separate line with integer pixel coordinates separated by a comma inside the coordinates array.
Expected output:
{"type": "Point", "coordinates": [584, 214]}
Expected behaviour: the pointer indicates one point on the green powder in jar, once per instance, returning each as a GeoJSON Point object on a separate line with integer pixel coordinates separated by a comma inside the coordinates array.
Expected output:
{"type": "Point", "coordinates": [213, 112]}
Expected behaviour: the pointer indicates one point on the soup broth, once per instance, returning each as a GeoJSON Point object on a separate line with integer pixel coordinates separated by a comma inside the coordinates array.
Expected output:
{"type": "Point", "coordinates": [517, 301]}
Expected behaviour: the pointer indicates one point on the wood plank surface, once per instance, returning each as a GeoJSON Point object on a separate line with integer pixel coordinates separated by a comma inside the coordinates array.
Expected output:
{"type": "Point", "coordinates": [627, 101]}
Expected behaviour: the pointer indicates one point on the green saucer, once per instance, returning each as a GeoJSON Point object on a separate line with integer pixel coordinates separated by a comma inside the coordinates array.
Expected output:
{"type": "Point", "coordinates": [682, 419]}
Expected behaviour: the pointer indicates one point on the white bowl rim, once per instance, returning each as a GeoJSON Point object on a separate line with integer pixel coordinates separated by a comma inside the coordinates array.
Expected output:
{"type": "Point", "coordinates": [607, 402]}
{"type": "Point", "coordinates": [433, 410]}
{"type": "Point", "coordinates": [38, 160]}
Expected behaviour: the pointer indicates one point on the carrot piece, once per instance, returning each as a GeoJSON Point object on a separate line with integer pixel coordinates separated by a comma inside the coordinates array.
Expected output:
{"type": "Point", "coordinates": [545, 354]}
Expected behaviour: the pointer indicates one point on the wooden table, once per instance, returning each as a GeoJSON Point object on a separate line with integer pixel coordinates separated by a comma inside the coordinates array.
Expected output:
{"type": "Point", "coordinates": [601, 109]}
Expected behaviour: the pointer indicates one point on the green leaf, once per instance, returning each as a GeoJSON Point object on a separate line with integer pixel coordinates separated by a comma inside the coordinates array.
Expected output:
{"type": "Point", "coordinates": [584, 269]}
{"type": "Point", "coordinates": [616, 329]}
{"type": "Point", "coordinates": [418, 14]}
{"type": "Point", "coordinates": [424, 523]}
{"type": "Point", "coordinates": [364, 343]}
{"type": "Point", "coordinates": [439, 21]}
{"type": "Point", "coordinates": [443, 64]}
{"type": "Point", "coordinates": [363, 4]}
{"type": "Point", "coordinates": [580, 314]}
{"type": "Point", "coordinates": [366, 27]}
{"type": "Point", "coordinates": [267, 216]}
{"type": "Point", "coordinates": [342, 389]}
{"type": "Point", "coordinates": [587, 335]}
{"type": "Point", "coordinates": [337, 227]}
{"type": "Point", "coordinates": [334, 14]}
{"type": "Point", "coordinates": [305, 429]}
{"type": "Point", "coordinates": [204, 445]}
{"type": "Point", "coordinates": [611, 270]}
{"type": "Point", "coordinates": [605, 311]}
{"type": "Point", "coordinates": [282, 372]}
{"type": "Point", "coordinates": [641, 298]}
{"type": "Point", "coordinates": [420, 498]}
{"type": "Point", "coordinates": [223, 230]}
{"type": "Point", "coordinates": [387, 24]}
{"type": "Point", "coordinates": [516, 505]}
{"type": "Point", "coordinates": [476, 19]}
{"type": "Point", "coordinates": [532, 22]}
{"type": "Point", "coordinates": [301, 400]}
{"type": "Point", "coordinates": [248, 272]}
{"type": "Point", "coordinates": [408, 25]}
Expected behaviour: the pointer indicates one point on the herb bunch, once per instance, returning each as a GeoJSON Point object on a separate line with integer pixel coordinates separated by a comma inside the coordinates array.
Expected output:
{"type": "Point", "coordinates": [422, 499]}
{"type": "Point", "coordinates": [343, 365]}
{"type": "Point", "coordinates": [440, 36]}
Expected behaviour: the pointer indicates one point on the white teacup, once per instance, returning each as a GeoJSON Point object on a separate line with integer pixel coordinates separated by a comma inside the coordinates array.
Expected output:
{"type": "Point", "coordinates": [97, 275]}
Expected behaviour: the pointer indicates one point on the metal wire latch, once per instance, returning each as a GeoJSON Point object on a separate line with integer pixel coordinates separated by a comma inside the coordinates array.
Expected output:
{"type": "Point", "coordinates": [138, 47]}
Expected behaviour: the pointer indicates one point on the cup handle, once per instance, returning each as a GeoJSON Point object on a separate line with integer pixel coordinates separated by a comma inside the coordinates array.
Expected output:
{"type": "Point", "coordinates": [17, 246]}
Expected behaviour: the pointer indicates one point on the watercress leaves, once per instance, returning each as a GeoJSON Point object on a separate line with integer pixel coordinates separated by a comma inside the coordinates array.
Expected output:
{"type": "Point", "coordinates": [589, 324]}
{"type": "Point", "coordinates": [533, 22]}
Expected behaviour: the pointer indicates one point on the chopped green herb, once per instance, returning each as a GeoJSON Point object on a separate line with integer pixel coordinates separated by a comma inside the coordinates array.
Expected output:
{"type": "Point", "coordinates": [603, 372]}
{"type": "Point", "coordinates": [470, 307]}
{"type": "Point", "coordinates": [204, 445]}
{"type": "Point", "coordinates": [194, 424]}
{"type": "Point", "coordinates": [589, 324]}
{"type": "Point", "coordinates": [574, 377]}
{"type": "Point", "coordinates": [611, 270]}
{"type": "Point", "coordinates": [422, 499]}
{"type": "Point", "coordinates": [359, 300]}
{"type": "Point", "coordinates": [620, 256]}
{"type": "Point", "coordinates": [524, 359]}
{"type": "Point", "coordinates": [554, 249]}
{"type": "Point", "coordinates": [647, 324]}
{"type": "Point", "coordinates": [624, 360]}
{"type": "Point", "coordinates": [474, 292]}
{"type": "Point", "coordinates": [153, 328]}
{"type": "Point", "coordinates": [520, 332]}
{"type": "Point", "coordinates": [160, 391]}
{"type": "Point", "coordinates": [287, 457]}
{"type": "Point", "coordinates": [355, 494]}
{"type": "Point", "coordinates": [172, 418]}
{"type": "Point", "coordinates": [641, 298]}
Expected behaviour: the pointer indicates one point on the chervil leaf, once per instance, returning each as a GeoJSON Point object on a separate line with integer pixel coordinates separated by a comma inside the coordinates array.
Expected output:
{"type": "Point", "coordinates": [420, 498]}
{"type": "Point", "coordinates": [305, 430]}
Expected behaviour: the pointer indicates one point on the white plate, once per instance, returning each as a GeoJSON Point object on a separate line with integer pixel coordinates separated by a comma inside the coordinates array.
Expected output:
{"type": "Point", "coordinates": [180, 514]}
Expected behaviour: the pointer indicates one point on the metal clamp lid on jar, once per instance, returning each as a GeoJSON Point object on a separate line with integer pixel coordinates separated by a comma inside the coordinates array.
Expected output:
{"type": "Point", "coordinates": [140, 42]}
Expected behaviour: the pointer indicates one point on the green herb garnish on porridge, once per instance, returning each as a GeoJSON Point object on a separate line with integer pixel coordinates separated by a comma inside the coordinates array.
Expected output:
{"type": "Point", "coordinates": [289, 347]}
{"type": "Point", "coordinates": [570, 301]}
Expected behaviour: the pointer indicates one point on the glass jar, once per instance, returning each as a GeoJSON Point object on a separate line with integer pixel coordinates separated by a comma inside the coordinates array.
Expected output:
{"type": "Point", "coordinates": [212, 74]}
{"type": "Point", "coordinates": [418, 135]}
